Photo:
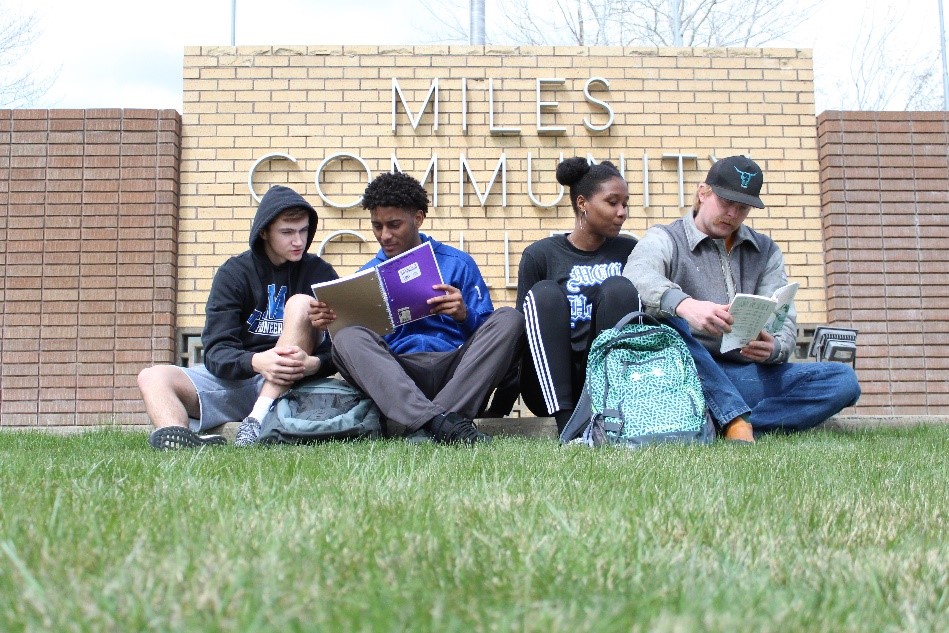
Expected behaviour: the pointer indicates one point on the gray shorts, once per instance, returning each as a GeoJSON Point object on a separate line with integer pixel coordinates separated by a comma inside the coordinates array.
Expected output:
{"type": "Point", "coordinates": [221, 400]}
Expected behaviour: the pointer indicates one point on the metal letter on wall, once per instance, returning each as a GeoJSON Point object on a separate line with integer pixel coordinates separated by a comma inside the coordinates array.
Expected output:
{"type": "Point", "coordinates": [530, 184]}
{"type": "Point", "coordinates": [332, 236]}
{"type": "Point", "coordinates": [414, 120]}
{"type": "Point", "coordinates": [507, 263]}
{"type": "Point", "coordinates": [497, 131]}
{"type": "Point", "coordinates": [551, 105]}
{"type": "Point", "coordinates": [464, 105]}
{"type": "Point", "coordinates": [680, 158]}
{"type": "Point", "coordinates": [257, 163]}
{"type": "Point", "coordinates": [645, 180]}
{"type": "Point", "coordinates": [341, 156]}
{"type": "Point", "coordinates": [603, 104]}
{"type": "Point", "coordinates": [464, 167]}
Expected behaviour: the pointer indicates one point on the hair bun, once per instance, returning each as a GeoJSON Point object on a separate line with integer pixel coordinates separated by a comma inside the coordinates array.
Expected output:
{"type": "Point", "coordinates": [570, 171]}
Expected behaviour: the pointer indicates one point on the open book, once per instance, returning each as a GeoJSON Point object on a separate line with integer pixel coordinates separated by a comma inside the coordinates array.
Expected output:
{"type": "Point", "coordinates": [754, 313]}
{"type": "Point", "coordinates": [392, 293]}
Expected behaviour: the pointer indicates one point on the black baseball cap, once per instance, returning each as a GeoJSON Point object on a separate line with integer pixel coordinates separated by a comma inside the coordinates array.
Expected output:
{"type": "Point", "coordinates": [738, 179]}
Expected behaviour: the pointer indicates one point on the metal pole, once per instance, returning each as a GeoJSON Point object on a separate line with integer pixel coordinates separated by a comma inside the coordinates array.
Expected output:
{"type": "Point", "coordinates": [476, 24]}
{"type": "Point", "coordinates": [233, 19]}
{"type": "Point", "coordinates": [942, 47]}
{"type": "Point", "coordinates": [676, 16]}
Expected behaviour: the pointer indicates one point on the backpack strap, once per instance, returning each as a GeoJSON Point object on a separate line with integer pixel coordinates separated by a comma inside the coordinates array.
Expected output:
{"type": "Point", "coordinates": [582, 417]}
{"type": "Point", "coordinates": [582, 413]}
{"type": "Point", "coordinates": [636, 314]}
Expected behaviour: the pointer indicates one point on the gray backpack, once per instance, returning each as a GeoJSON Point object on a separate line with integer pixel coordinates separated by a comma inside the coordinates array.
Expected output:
{"type": "Point", "coordinates": [319, 410]}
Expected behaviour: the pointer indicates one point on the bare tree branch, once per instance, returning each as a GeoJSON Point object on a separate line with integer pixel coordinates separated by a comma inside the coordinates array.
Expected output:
{"type": "Point", "coordinates": [446, 13]}
{"type": "Point", "coordinates": [574, 25]}
{"type": "Point", "coordinates": [882, 75]}
{"type": "Point", "coordinates": [633, 22]}
{"type": "Point", "coordinates": [19, 85]}
{"type": "Point", "coordinates": [888, 76]}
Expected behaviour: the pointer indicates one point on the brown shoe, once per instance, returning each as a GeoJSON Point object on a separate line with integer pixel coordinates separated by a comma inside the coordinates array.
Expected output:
{"type": "Point", "coordinates": [739, 430]}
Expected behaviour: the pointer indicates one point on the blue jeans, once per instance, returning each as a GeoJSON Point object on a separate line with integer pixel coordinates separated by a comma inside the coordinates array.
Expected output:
{"type": "Point", "coordinates": [793, 396]}
{"type": "Point", "coordinates": [786, 397]}
{"type": "Point", "coordinates": [724, 401]}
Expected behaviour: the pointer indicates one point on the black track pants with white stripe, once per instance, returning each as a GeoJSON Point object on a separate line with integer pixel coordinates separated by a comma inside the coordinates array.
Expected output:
{"type": "Point", "coordinates": [554, 368]}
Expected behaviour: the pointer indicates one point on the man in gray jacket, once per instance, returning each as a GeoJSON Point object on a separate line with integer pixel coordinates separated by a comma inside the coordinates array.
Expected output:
{"type": "Point", "coordinates": [694, 267]}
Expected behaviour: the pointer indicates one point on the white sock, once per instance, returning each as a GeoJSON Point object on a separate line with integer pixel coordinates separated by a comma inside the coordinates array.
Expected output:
{"type": "Point", "coordinates": [261, 407]}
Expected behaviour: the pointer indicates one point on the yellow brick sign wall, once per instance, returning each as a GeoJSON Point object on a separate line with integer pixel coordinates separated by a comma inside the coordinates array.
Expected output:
{"type": "Point", "coordinates": [484, 128]}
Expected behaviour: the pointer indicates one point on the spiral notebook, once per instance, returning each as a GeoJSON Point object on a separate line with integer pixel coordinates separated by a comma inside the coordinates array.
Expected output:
{"type": "Point", "coordinates": [386, 296]}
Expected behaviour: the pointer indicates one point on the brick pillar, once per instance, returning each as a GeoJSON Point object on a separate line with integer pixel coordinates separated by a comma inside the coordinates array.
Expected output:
{"type": "Point", "coordinates": [89, 234]}
{"type": "Point", "coordinates": [885, 199]}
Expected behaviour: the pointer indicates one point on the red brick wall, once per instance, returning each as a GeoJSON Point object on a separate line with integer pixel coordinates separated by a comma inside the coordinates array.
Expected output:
{"type": "Point", "coordinates": [88, 233]}
{"type": "Point", "coordinates": [885, 199]}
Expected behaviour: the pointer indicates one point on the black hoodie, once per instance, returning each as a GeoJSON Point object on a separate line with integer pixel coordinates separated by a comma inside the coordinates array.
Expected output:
{"type": "Point", "coordinates": [244, 313]}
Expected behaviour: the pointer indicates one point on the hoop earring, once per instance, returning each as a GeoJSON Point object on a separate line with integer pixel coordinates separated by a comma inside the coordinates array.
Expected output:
{"type": "Point", "coordinates": [582, 215]}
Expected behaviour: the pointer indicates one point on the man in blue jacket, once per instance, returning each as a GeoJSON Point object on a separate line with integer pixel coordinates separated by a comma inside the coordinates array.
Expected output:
{"type": "Point", "coordinates": [430, 377]}
{"type": "Point", "coordinates": [263, 332]}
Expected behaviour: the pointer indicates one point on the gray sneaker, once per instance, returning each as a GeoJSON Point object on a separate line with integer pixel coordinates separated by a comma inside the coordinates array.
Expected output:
{"type": "Point", "coordinates": [247, 432]}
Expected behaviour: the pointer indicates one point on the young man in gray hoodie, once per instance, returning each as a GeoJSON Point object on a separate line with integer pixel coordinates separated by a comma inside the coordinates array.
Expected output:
{"type": "Point", "coordinates": [263, 332]}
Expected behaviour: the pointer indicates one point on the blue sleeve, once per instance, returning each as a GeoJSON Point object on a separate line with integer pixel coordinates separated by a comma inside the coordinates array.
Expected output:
{"type": "Point", "coordinates": [477, 299]}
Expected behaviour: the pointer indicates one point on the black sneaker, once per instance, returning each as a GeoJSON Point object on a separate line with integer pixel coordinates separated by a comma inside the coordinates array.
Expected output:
{"type": "Point", "coordinates": [172, 437]}
{"type": "Point", "coordinates": [452, 428]}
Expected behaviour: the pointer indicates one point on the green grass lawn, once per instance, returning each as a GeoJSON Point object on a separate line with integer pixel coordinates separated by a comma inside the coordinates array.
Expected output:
{"type": "Point", "coordinates": [818, 532]}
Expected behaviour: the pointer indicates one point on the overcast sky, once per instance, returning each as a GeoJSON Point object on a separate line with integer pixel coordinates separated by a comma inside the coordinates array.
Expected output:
{"type": "Point", "coordinates": [121, 53]}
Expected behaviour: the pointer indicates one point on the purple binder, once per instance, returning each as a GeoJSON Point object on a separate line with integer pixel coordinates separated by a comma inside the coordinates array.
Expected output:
{"type": "Point", "coordinates": [407, 281]}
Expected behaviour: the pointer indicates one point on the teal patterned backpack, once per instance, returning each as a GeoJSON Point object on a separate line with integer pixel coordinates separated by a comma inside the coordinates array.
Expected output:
{"type": "Point", "coordinates": [641, 388]}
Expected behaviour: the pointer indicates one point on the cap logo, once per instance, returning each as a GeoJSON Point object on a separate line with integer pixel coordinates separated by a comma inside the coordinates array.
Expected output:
{"type": "Point", "coordinates": [745, 177]}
